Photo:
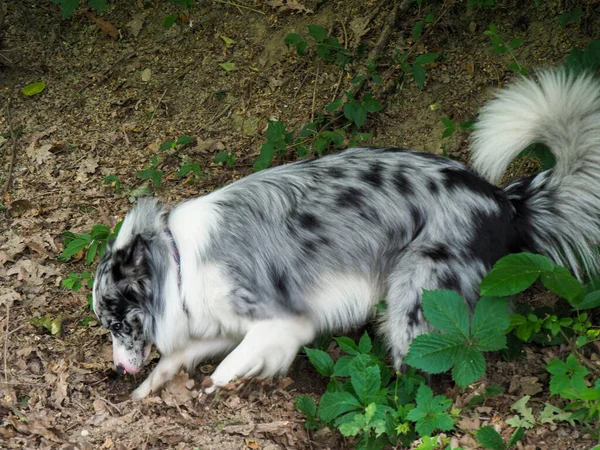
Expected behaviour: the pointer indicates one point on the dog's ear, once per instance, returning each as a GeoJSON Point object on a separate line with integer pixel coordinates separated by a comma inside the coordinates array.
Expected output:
{"type": "Point", "coordinates": [134, 265]}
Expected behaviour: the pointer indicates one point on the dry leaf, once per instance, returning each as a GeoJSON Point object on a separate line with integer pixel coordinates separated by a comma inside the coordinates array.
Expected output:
{"type": "Point", "coordinates": [146, 75]}
{"type": "Point", "coordinates": [289, 5]}
{"type": "Point", "coordinates": [107, 28]}
{"type": "Point", "coordinates": [40, 154]}
{"type": "Point", "coordinates": [88, 165]}
{"type": "Point", "coordinates": [135, 25]}
{"type": "Point", "coordinates": [8, 296]}
{"type": "Point", "coordinates": [33, 427]}
{"type": "Point", "coordinates": [209, 145]}
{"type": "Point", "coordinates": [359, 25]}
{"type": "Point", "coordinates": [178, 390]}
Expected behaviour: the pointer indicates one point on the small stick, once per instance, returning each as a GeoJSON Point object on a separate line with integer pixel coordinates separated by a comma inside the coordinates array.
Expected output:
{"type": "Point", "coordinates": [6, 343]}
{"type": "Point", "coordinates": [238, 6]}
{"type": "Point", "coordinates": [312, 113]}
{"type": "Point", "coordinates": [11, 162]}
{"type": "Point", "coordinates": [158, 104]}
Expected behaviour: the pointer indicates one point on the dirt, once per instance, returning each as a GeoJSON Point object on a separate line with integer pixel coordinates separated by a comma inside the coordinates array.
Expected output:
{"type": "Point", "coordinates": [118, 89]}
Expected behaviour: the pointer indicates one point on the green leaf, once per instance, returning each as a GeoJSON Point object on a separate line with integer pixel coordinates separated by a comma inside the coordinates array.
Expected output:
{"type": "Point", "coordinates": [490, 321]}
{"type": "Point", "coordinates": [489, 438]}
{"type": "Point", "coordinates": [514, 273]}
{"type": "Point", "coordinates": [433, 352]}
{"type": "Point", "coordinates": [267, 153]}
{"type": "Point", "coordinates": [170, 20]}
{"type": "Point", "coordinates": [228, 41]}
{"type": "Point", "coordinates": [366, 383]}
{"type": "Point", "coordinates": [526, 413]}
{"type": "Point", "coordinates": [419, 74]}
{"type": "Point", "coordinates": [321, 360]}
{"type": "Point", "coordinates": [34, 88]}
{"type": "Point", "coordinates": [364, 345]}
{"type": "Point", "coordinates": [317, 32]}
{"type": "Point", "coordinates": [306, 405]}
{"type": "Point", "coordinates": [228, 66]}
{"type": "Point", "coordinates": [68, 7]}
{"type": "Point", "coordinates": [91, 253]}
{"type": "Point", "coordinates": [516, 42]}
{"type": "Point", "coordinates": [370, 103]}
{"type": "Point", "coordinates": [426, 58]}
{"type": "Point", "coordinates": [418, 29]}
{"type": "Point", "coordinates": [347, 345]}
{"type": "Point", "coordinates": [591, 300]}
{"type": "Point", "coordinates": [516, 437]}
{"type": "Point", "coordinates": [334, 404]}
{"type": "Point", "coordinates": [470, 366]}
{"type": "Point", "coordinates": [343, 366]}
{"type": "Point", "coordinates": [98, 5]}
{"type": "Point", "coordinates": [53, 325]}
{"type": "Point", "coordinates": [429, 413]}
{"type": "Point", "coordinates": [551, 414]}
{"type": "Point", "coordinates": [561, 282]}
{"type": "Point", "coordinates": [334, 105]}
{"type": "Point", "coordinates": [185, 140]}
{"type": "Point", "coordinates": [447, 312]}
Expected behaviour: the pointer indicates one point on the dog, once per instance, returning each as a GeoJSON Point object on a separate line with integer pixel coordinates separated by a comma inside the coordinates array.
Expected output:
{"type": "Point", "coordinates": [257, 269]}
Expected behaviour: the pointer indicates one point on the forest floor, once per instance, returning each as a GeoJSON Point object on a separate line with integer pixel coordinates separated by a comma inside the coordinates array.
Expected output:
{"type": "Point", "coordinates": [119, 87]}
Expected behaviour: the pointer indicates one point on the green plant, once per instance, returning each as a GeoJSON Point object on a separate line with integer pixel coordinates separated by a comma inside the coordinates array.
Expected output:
{"type": "Point", "coordinates": [417, 67]}
{"type": "Point", "coordinates": [113, 180]}
{"type": "Point", "coordinates": [68, 7]}
{"type": "Point", "coordinates": [587, 59]}
{"type": "Point", "coordinates": [500, 46]}
{"type": "Point", "coordinates": [459, 346]}
{"type": "Point", "coordinates": [94, 242]}
{"type": "Point", "coordinates": [481, 3]}
{"type": "Point", "coordinates": [277, 141]}
{"type": "Point", "coordinates": [190, 169]}
{"type": "Point", "coordinates": [227, 158]}
{"type": "Point", "coordinates": [451, 127]}
{"type": "Point", "coordinates": [180, 142]}
{"type": "Point", "coordinates": [152, 172]}
{"type": "Point", "coordinates": [364, 400]}
{"type": "Point", "coordinates": [52, 324]}
{"type": "Point", "coordinates": [172, 18]}
{"type": "Point", "coordinates": [75, 281]}
{"type": "Point", "coordinates": [572, 16]}
{"type": "Point", "coordinates": [489, 438]}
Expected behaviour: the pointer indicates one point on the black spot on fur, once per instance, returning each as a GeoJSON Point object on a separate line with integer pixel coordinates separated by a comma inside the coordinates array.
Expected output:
{"type": "Point", "coordinates": [394, 150]}
{"type": "Point", "coordinates": [373, 176]}
{"type": "Point", "coordinates": [458, 178]}
{"type": "Point", "coordinates": [433, 187]}
{"type": "Point", "coordinates": [336, 172]}
{"type": "Point", "coordinates": [309, 221]}
{"type": "Point", "coordinates": [402, 182]}
{"type": "Point", "coordinates": [438, 252]}
{"type": "Point", "coordinates": [350, 198]}
{"type": "Point", "coordinates": [431, 156]}
{"type": "Point", "coordinates": [281, 283]}
{"type": "Point", "coordinates": [413, 316]}
{"type": "Point", "coordinates": [450, 281]}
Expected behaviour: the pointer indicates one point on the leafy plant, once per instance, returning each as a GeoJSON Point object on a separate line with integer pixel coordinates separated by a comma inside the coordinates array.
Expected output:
{"type": "Point", "coordinates": [295, 40]}
{"type": "Point", "coordinates": [459, 346]}
{"type": "Point", "coordinates": [417, 67]}
{"type": "Point", "coordinates": [328, 48]}
{"type": "Point", "coordinates": [75, 281]}
{"type": "Point", "coordinates": [277, 141]}
{"type": "Point", "coordinates": [52, 324]}
{"type": "Point", "coordinates": [227, 158]}
{"type": "Point", "coordinates": [190, 169]}
{"type": "Point", "coordinates": [68, 7]}
{"type": "Point", "coordinates": [451, 127]}
{"type": "Point", "coordinates": [180, 142]}
{"type": "Point", "coordinates": [489, 438]}
{"type": "Point", "coordinates": [430, 413]}
{"type": "Point", "coordinates": [587, 59]}
{"type": "Point", "coordinates": [94, 243]}
{"type": "Point", "coordinates": [572, 16]}
{"type": "Point", "coordinates": [172, 18]}
{"type": "Point", "coordinates": [152, 172]}
{"type": "Point", "coordinates": [113, 180]}
{"type": "Point", "coordinates": [34, 88]}
{"type": "Point", "coordinates": [500, 46]}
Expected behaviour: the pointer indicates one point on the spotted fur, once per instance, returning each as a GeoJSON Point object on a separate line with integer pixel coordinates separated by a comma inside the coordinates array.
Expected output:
{"type": "Point", "coordinates": [260, 267]}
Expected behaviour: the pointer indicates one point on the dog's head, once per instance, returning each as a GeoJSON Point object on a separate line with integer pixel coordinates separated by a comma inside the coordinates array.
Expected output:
{"type": "Point", "coordinates": [121, 293]}
{"type": "Point", "coordinates": [127, 286]}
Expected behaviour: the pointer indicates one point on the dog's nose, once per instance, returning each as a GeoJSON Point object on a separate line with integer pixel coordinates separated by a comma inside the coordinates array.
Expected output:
{"type": "Point", "coordinates": [121, 369]}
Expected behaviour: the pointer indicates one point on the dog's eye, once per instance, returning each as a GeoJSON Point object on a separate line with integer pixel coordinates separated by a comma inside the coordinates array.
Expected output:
{"type": "Point", "coordinates": [116, 327]}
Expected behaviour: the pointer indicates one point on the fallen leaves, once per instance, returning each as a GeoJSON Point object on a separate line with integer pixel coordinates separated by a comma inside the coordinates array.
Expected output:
{"type": "Point", "coordinates": [289, 5]}
{"type": "Point", "coordinates": [105, 26]}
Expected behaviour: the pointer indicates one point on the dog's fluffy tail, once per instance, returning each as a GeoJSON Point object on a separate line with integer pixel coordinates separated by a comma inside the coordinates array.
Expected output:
{"type": "Point", "coordinates": [558, 210]}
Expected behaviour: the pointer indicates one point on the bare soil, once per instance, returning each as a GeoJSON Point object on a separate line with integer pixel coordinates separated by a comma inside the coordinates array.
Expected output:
{"type": "Point", "coordinates": [109, 103]}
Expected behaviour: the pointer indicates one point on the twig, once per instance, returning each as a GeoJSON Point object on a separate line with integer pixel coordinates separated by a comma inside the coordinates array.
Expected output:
{"type": "Point", "coordinates": [158, 104]}
{"type": "Point", "coordinates": [6, 343]}
{"type": "Point", "coordinates": [11, 162]}
{"type": "Point", "coordinates": [312, 113]}
{"type": "Point", "coordinates": [339, 83]}
{"type": "Point", "coordinates": [238, 6]}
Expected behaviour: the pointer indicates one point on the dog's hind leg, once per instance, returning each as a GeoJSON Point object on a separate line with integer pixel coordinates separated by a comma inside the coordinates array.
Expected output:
{"type": "Point", "coordinates": [268, 348]}
{"type": "Point", "coordinates": [414, 271]}
{"type": "Point", "coordinates": [169, 365]}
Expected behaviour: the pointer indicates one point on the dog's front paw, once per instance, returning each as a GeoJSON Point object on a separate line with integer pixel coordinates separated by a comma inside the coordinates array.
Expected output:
{"type": "Point", "coordinates": [142, 391]}
{"type": "Point", "coordinates": [208, 386]}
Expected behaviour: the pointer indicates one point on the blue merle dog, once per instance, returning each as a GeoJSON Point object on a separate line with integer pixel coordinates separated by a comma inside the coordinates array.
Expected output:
{"type": "Point", "coordinates": [257, 269]}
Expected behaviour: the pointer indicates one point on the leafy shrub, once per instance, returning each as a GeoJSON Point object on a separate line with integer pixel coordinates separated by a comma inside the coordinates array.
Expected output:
{"type": "Point", "coordinates": [94, 243]}
{"type": "Point", "coordinates": [68, 7]}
